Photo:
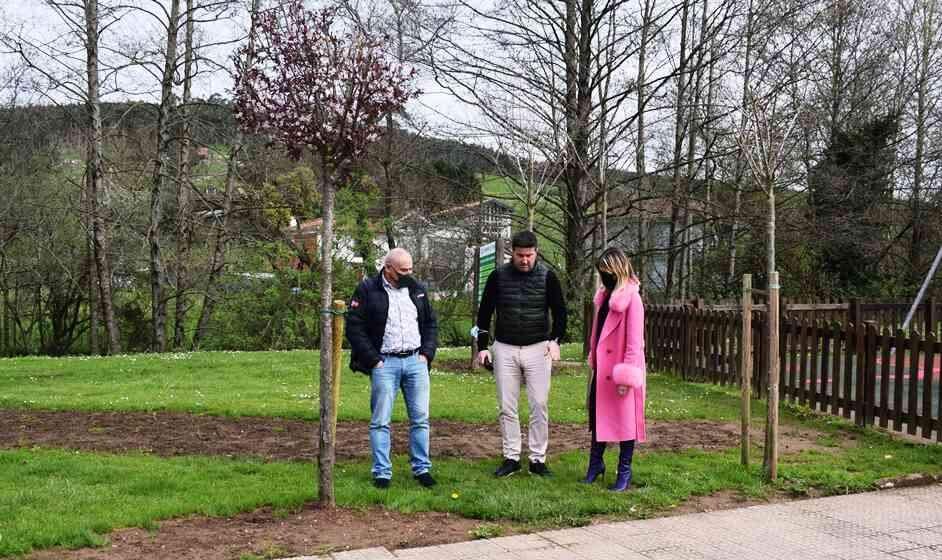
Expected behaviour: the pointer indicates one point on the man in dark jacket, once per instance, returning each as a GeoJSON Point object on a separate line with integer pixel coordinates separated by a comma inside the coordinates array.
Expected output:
{"type": "Point", "coordinates": [393, 335]}
{"type": "Point", "coordinates": [523, 293]}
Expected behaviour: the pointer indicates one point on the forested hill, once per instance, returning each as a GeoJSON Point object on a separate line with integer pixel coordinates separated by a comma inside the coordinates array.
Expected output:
{"type": "Point", "coordinates": [215, 125]}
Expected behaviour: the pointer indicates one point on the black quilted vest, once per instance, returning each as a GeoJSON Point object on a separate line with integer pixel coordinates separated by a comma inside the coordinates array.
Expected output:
{"type": "Point", "coordinates": [522, 310]}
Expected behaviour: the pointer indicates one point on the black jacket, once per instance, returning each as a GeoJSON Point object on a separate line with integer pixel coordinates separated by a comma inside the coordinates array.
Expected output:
{"type": "Point", "coordinates": [521, 301]}
{"type": "Point", "coordinates": [366, 323]}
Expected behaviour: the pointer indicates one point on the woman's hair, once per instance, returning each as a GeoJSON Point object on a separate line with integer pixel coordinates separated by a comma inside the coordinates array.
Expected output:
{"type": "Point", "coordinates": [615, 261]}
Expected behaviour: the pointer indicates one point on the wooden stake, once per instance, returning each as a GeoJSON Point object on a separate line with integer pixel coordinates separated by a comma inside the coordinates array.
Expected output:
{"type": "Point", "coordinates": [745, 367]}
{"type": "Point", "coordinates": [339, 308]}
{"type": "Point", "coordinates": [771, 435]}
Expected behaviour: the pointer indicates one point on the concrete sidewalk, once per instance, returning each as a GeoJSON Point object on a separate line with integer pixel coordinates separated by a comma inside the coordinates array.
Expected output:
{"type": "Point", "coordinates": [890, 525]}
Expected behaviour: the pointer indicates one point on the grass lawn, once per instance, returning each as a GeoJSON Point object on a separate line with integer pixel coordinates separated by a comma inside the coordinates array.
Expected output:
{"type": "Point", "coordinates": [54, 497]}
{"type": "Point", "coordinates": [284, 384]}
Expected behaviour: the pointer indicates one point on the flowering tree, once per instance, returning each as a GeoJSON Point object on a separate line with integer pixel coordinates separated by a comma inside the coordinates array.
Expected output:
{"type": "Point", "coordinates": [318, 88]}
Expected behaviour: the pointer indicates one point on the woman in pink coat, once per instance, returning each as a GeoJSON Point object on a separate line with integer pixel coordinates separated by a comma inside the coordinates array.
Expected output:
{"type": "Point", "coordinates": [616, 388]}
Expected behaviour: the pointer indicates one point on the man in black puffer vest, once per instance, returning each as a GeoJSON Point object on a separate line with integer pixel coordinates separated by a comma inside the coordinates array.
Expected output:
{"type": "Point", "coordinates": [523, 293]}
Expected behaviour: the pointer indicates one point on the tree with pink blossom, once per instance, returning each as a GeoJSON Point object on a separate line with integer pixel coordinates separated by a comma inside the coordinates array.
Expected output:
{"type": "Point", "coordinates": [319, 89]}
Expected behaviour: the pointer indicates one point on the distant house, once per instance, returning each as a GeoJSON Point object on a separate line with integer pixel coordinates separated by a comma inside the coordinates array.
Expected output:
{"type": "Point", "coordinates": [442, 243]}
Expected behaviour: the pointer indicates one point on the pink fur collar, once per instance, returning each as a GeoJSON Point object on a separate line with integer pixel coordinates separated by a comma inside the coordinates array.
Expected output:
{"type": "Point", "coordinates": [621, 297]}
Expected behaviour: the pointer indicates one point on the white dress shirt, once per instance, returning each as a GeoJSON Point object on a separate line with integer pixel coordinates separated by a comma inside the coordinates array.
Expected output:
{"type": "Point", "coordinates": [402, 322]}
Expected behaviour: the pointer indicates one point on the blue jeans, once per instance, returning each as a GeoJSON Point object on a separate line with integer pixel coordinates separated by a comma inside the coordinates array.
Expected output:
{"type": "Point", "coordinates": [411, 374]}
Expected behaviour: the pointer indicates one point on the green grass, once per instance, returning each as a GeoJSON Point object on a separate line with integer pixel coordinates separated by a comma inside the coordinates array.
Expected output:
{"type": "Point", "coordinates": [838, 470]}
{"type": "Point", "coordinates": [283, 384]}
{"type": "Point", "coordinates": [58, 498]}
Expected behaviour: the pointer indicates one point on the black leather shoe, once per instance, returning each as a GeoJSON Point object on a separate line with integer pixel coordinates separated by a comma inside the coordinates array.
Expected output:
{"type": "Point", "coordinates": [381, 483]}
{"type": "Point", "coordinates": [507, 468]}
{"type": "Point", "coordinates": [425, 479]}
{"type": "Point", "coordinates": [539, 469]}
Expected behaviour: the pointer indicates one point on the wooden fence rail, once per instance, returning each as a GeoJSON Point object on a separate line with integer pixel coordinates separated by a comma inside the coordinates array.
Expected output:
{"type": "Point", "coordinates": [855, 367]}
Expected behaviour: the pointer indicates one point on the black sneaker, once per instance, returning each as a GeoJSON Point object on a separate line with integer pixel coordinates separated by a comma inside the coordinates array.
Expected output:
{"type": "Point", "coordinates": [539, 469]}
{"type": "Point", "coordinates": [507, 468]}
{"type": "Point", "coordinates": [381, 483]}
{"type": "Point", "coordinates": [425, 479]}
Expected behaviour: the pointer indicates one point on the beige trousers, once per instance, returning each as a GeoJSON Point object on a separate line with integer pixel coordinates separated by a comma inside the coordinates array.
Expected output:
{"type": "Point", "coordinates": [531, 365]}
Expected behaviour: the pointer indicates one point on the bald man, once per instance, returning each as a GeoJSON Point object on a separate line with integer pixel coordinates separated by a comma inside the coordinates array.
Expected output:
{"type": "Point", "coordinates": [393, 335]}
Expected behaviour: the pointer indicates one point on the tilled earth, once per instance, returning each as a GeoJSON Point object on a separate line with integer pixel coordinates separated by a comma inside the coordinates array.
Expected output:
{"type": "Point", "coordinates": [168, 434]}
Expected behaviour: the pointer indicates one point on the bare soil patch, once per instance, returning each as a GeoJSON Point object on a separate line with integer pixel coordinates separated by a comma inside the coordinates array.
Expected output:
{"type": "Point", "coordinates": [262, 533]}
{"type": "Point", "coordinates": [725, 499]}
{"type": "Point", "coordinates": [169, 434]}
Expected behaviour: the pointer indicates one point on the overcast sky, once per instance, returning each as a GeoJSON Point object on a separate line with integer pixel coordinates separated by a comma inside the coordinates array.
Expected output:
{"type": "Point", "coordinates": [434, 111]}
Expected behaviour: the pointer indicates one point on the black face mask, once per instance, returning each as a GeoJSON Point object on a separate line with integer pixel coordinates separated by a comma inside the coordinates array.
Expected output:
{"type": "Point", "coordinates": [407, 281]}
{"type": "Point", "coordinates": [608, 280]}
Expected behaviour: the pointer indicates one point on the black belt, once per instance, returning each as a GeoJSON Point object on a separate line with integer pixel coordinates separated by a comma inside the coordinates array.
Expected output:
{"type": "Point", "coordinates": [405, 354]}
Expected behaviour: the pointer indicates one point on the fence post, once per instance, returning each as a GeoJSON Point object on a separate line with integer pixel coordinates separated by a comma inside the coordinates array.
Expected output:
{"type": "Point", "coordinates": [930, 317]}
{"type": "Point", "coordinates": [745, 368]}
{"type": "Point", "coordinates": [771, 439]}
{"type": "Point", "coordinates": [860, 366]}
{"type": "Point", "coordinates": [870, 370]}
{"type": "Point", "coordinates": [685, 344]}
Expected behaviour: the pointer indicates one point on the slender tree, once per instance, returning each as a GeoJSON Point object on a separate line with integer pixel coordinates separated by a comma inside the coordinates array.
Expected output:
{"type": "Point", "coordinates": [158, 185]}
{"type": "Point", "coordinates": [314, 86]}
{"type": "Point", "coordinates": [94, 172]}
{"type": "Point", "coordinates": [184, 226]}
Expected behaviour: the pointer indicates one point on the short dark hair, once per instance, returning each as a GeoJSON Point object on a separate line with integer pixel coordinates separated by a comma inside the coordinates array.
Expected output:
{"type": "Point", "coordinates": [524, 240]}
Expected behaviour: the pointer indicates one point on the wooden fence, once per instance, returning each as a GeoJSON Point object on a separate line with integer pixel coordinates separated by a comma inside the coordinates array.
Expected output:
{"type": "Point", "coordinates": [856, 367]}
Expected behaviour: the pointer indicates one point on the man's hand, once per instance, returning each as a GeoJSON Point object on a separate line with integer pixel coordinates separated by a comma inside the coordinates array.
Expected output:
{"type": "Point", "coordinates": [552, 348]}
{"type": "Point", "coordinates": [423, 359]}
{"type": "Point", "coordinates": [622, 390]}
{"type": "Point", "coordinates": [484, 356]}
{"type": "Point", "coordinates": [378, 365]}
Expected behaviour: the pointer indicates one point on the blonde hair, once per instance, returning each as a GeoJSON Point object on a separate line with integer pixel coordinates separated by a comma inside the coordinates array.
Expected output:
{"type": "Point", "coordinates": [614, 261]}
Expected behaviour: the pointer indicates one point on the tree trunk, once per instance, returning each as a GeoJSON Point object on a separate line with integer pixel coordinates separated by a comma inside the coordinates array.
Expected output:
{"type": "Point", "coordinates": [158, 185]}
{"type": "Point", "coordinates": [771, 228]}
{"type": "Point", "coordinates": [327, 445]}
{"type": "Point", "coordinates": [221, 240]}
{"type": "Point", "coordinates": [837, 68]}
{"type": "Point", "coordinates": [578, 60]}
{"type": "Point", "coordinates": [640, 163]}
{"type": "Point", "coordinates": [916, 248]}
{"type": "Point", "coordinates": [388, 183]}
{"type": "Point", "coordinates": [39, 315]}
{"type": "Point", "coordinates": [184, 228]}
{"type": "Point", "coordinates": [531, 202]}
{"type": "Point", "coordinates": [91, 279]}
{"type": "Point", "coordinates": [740, 164]}
{"type": "Point", "coordinates": [679, 127]}
{"type": "Point", "coordinates": [693, 131]}
{"type": "Point", "coordinates": [93, 178]}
